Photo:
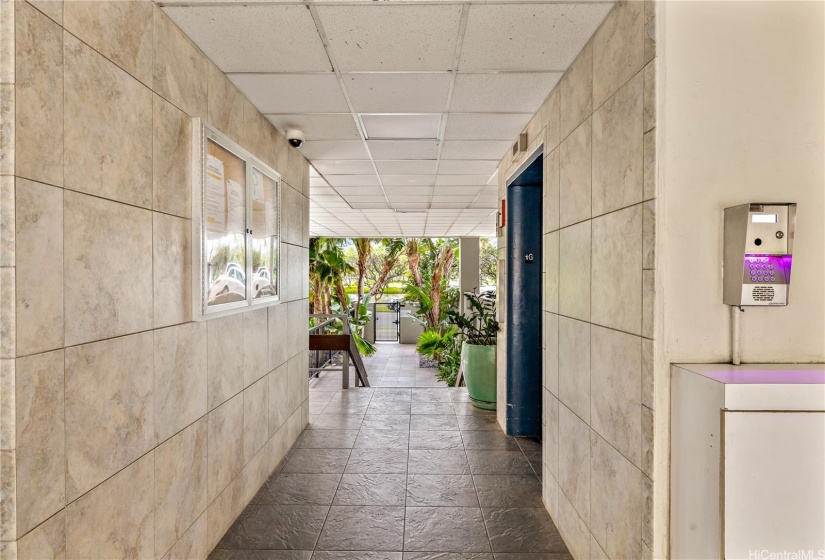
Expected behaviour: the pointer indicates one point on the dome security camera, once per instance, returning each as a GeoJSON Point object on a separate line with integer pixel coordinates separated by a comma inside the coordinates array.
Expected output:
{"type": "Point", "coordinates": [295, 138]}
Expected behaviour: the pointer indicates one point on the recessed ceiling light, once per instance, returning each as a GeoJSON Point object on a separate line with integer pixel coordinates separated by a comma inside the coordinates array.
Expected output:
{"type": "Point", "coordinates": [408, 126]}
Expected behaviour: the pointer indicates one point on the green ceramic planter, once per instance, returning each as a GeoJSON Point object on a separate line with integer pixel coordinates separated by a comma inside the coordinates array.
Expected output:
{"type": "Point", "coordinates": [479, 366]}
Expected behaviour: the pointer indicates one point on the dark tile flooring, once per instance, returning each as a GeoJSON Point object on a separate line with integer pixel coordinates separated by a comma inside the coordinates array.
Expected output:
{"type": "Point", "coordinates": [386, 474]}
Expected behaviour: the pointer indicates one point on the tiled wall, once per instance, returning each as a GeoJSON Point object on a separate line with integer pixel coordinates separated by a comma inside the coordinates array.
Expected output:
{"type": "Point", "coordinates": [597, 127]}
{"type": "Point", "coordinates": [127, 429]}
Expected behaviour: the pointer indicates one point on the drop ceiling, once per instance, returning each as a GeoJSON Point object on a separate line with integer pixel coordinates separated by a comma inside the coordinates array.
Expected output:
{"type": "Point", "coordinates": [407, 105]}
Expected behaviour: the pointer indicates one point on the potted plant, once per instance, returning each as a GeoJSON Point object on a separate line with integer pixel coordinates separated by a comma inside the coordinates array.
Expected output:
{"type": "Point", "coordinates": [479, 330]}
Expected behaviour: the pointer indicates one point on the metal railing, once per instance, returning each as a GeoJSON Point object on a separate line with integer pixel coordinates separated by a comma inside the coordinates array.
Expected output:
{"type": "Point", "coordinates": [321, 360]}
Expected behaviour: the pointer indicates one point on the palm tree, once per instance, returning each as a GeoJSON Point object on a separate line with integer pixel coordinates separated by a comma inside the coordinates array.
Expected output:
{"type": "Point", "coordinates": [327, 268]}
{"type": "Point", "coordinates": [394, 248]}
{"type": "Point", "coordinates": [363, 249]}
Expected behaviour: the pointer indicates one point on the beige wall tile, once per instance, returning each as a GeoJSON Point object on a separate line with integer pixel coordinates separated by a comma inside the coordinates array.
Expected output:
{"type": "Point", "coordinates": [648, 303]}
{"type": "Point", "coordinates": [596, 552]}
{"type": "Point", "coordinates": [618, 49]}
{"type": "Point", "coordinates": [8, 505]}
{"type": "Point", "coordinates": [256, 345]}
{"type": "Point", "coordinates": [192, 545]}
{"type": "Point", "coordinates": [304, 177]}
{"type": "Point", "coordinates": [109, 416]}
{"type": "Point", "coordinates": [180, 485]}
{"type": "Point", "coordinates": [616, 388]}
{"type": "Point", "coordinates": [551, 272]}
{"type": "Point", "coordinates": [617, 270]}
{"type": "Point", "coordinates": [180, 69]}
{"type": "Point", "coordinates": [647, 512]}
{"type": "Point", "coordinates": [45, 542]}
{"type": "Point", "coordinates": [647, 373]}
{"type": "Point", "coordinates": [278, 335]}
{"type": "Point", "coordinates": [41, 444]}
{"type": "Point", "coordinates": [550, 443]}
{"type": "Point", "coordinates": [551, 353]}
{"type": "Point", "coordinates": [38, 96]}
{"type": "Point", "coordinates": [119, 30]}
{"type": "Point", "coordinates": [575, 531]}
{"type": "Point", "coordinates": [222, 512]}
{"type": "Point", "coordinates": [171, 270]}
{"type": "Point", "coordinates": [255, 418]}
{"type": "Point", "coordinates": [647, 441]}
{"type": "Point", "coordinates": [39, 237]}
{"type": "Point", "coordinates": [8, 431]}
{"type": "Point", "coordinates": [649, 234]}
{"type": "Point", "coordinates": [7, 227]}
{"type": "Point", "coordinates": [99, 303]}
{"type": "Point", "coordinates": [574, 461]}
{"type": "Point", "coordinates": [115, 520]}
{"type": "Point", "coordinates": [281, 153]}
{"type": "Point", "coordinates": [171, 159]}
{"type": "Point", "coordinates": [7, 44]}
{"type": "Point", "coordinates": [650, 29]}
{"type": "Point", "coordinates": [650, 165]}
{"type": "Point", "coordinates": [225, 444]}
{"type": "Point", "coordinates": [297, 326]}
{"type": "Point", "coordinates": [550, 220]}
{"type": "Point", "coordinates": [618, 156]}
{"type": "Point", "coordinates": [180, 378]}
{"type": "Point", "coordinates": [649, 111]}
{"type": "Point", "coordinates": [297, 162]}
{"type": "Point", "coordinates": [574, 271]}
{"type": "Point", "coordinates": [575, 176]}
{"type": "Point", "coordinates": [576, 92]}
{"type": "Point", "coordinates": [108, 128]}
{"type": "Point", "coordinates": [255, 473]}
{"type": "Point", "coordinates": [297, 373]}
{"type": "Point", "coordinates": [278, 398]}
{"type": "Point", "coordinates": [52, 8]}
{"type": "Point", "coordinates": [574, 366]}
{"type": "Point", "coordinates": [224, 104]}
{"type": "Point", "coordinates": [616, 508]}
{"type": "Point", "coordinates": [7, 325]}
{"type": "Point", "coordinates": [551, 116]}
{"type": "Point", "coordinates": [7, 122]}
{"type": "Point", "coordinates": [225, 371]}
{"type": "Point", "coordinates": [550, 495]}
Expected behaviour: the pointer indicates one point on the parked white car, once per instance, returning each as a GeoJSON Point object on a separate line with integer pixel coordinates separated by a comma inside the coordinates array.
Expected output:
{"type": "Point", "coordinates": [262, 283]}
{"type": "Point", "coordinates": [229, 286]}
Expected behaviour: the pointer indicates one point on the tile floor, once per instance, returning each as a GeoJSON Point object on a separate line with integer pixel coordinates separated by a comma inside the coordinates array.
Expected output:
{"type": "Point", "coordinates": [396, 365]}
{"type": "Point", "coordinates": [392, 473]}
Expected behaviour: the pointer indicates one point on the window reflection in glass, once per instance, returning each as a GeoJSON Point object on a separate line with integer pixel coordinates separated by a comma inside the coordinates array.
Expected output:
{"type": "Point", "coordinates": [225, 223]}
{"type": "Point", "coordinates": [264, 192]}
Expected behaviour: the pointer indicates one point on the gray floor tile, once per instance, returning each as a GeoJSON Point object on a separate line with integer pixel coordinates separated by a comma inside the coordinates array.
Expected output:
{"type": "Point", "coordinates": [468, 409]}
{"type": "Point", "coordinates": [438, 461]}
{"type": "Point", "coordinates": [293, 489]}
{"type": "Point", "coordinates": [430, 395]}
{"type": "Point", "coordinates": [436, 440]}
{"type": "Point", "coordinates": [262, 555]}
{"type": "Point", "coordinates": [441, 490]}
{"type": "Point", "coordinates": [377, 461]}
{"type": "Point", "coordinates": [328, 439]}
{"type": "Point", "coordinates": [429, 422]}
{"type": "Point", "coordinates": [533, 556]}
{"type": "Point", "coordinates": [281, 527]}
{"type": "Point", "coordinates": [522, 530]}
{"type": "Point", "coordinates": [447, 529]}
{"type": "Point", "coordinates": [317, 461]}
{"type": "Point", "coordinates": [356, 555]}
{"type": "Point", "coordinates": [337, 422]}
{"type": "Point", "coordinates": [501, 491]}
{"type": "Point", "coordinates": [382, 439]}
{"type": "Point", "coordinates": [486, 422]}
{"type": "Point", "coordinates": [447, 556]}
{"type": "Point", "coordinates": [498, 462]}
{"type": "Point", "coordinates": [433, 408]}
{"type": "Point", "coordinates": [363, 528]}
{"type": "Point", "coordinates": [371, 490]}
{"type": "Point", "coordinates": [386, 422]}
{"type": "Point", "coordinates": [489, 440]}
{"type": "Point", "coordinates": [389, 407]}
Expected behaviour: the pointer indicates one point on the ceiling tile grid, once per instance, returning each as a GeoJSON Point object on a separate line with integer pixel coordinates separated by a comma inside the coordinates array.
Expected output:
{"type": "Point", "coordinates": [407, 106]}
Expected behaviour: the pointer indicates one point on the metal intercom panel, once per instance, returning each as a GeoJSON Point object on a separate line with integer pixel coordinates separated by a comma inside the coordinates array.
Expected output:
{"type": "Point", "coordinates": [758, 253]}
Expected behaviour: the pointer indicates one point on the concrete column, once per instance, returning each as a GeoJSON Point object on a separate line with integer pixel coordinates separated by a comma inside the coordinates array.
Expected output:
{"type": "Point", "coordinates": [469, 267]}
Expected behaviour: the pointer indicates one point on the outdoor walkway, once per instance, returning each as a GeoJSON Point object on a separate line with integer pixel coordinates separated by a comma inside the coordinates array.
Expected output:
{"type": "Point", "coordinates": [386, 470]}
{"type": "Point", "coordinates": [396, 365]}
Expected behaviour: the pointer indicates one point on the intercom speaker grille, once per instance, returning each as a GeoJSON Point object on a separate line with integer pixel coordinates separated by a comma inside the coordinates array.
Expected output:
{"type": "Point", "coordinates": [763, 293]}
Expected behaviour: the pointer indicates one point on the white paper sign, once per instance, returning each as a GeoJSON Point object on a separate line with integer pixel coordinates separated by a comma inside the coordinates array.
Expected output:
{"type": "Point", "coordinates": [215, 203]}
{"type": "Point", "coordinates": [235, 207]}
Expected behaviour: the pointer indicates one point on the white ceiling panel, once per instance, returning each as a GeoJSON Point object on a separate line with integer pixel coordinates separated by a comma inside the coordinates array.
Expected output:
{"type": "Point", "coordinates": [458, 190]}
{"type": "Point", "coordinates": [275, 38]}
{"type": "Point", "coordinates": [475, 149]}
{"type": "Point", "coordinates": [353, 180]}
{"type": "Point", "coordinates": [317, 182]}
{"type": "Point", "coordinates": [344, 167]}
{"type": "Point", "coordinates": [530, 37]}
{"type": "Point", "coordinates": [502, 93]}
{"type": "Point", "coordinates": [408, 180]}
{"type": "Point", "coordinates": [292, 93]}
{"type": "Point", "coordinates": [332, 149]}
{"type": "Point", "coordinates": [409, 167]}
{"type": "Point", "coordinates": [461, 180]}
{"type": "Point", "coordinates": [467, 167]}
{"type": "Point", "coordinates": [403, 149]}
{"type": "Point", "coordinates": [383, 37]}
{"type": "Point", "coordinates": [349, 192]}
{"type": "Point", "coordinates": [485, 126]}
{"type": "Point", "coordinates": [367, 206]}
{"type": "Point", "coordinates": [402, 127]}
{"type": "Point", "coordinates": [398, 93]}
{"type": "Point", "coordinates": [338, 126]}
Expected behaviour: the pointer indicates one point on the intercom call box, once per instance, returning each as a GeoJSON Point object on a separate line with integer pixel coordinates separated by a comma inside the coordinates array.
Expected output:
{"type": "Point", "coordinates": [758, 251]}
